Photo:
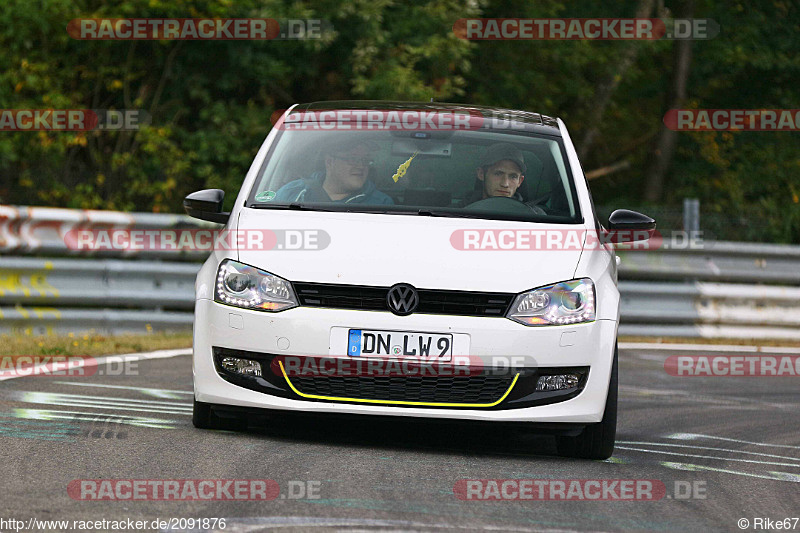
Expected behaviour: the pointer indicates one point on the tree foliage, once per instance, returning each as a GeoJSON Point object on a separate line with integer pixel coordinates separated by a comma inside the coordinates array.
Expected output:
{"type": "Point", "coordinates": [211, 101]}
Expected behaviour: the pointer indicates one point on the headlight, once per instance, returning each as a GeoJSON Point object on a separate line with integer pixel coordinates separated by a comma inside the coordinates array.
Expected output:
{"type": "Point", "coordinates": [568, 302]}
{"type": "Point", "coordinates": [244, 286]}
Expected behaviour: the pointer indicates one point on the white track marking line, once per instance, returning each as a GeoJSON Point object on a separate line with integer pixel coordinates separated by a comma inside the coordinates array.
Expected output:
{"type": "Point", "coordinates": [727, 450]}
{"type": "Point", "coordinates": [775, 476]}
{"type": "Point", "coordinates": [125, 387]}
{"type": "Point", "coordinates": [99, 399]}
{"type": "Point", "coordinates": [83, 416]}
{"type": "Point", "coordinates": [669, 347]}
{"type": "Point", "coordinates": [709, 457]}
{"type": "Point", "coordinates": [693, 436]}
{"type": "Point", "coordinates": [642, 392]}
{"type": "Point", "coordinates": [119, 408]}
{"type": "Point", "coordinates": [243, 525]}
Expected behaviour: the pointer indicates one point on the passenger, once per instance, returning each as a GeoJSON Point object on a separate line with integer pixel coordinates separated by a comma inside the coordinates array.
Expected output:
{"type": "Point", "coordinates": [345, 180]}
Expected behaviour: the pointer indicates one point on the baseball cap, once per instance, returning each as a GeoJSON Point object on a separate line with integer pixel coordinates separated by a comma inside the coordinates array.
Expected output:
{"type": "Point", "coordinates": [501, 151]}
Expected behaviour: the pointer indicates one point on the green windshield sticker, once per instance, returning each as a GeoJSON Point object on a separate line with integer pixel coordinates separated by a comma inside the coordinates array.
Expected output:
{"type": "Point", "coordinates": [265, 196]}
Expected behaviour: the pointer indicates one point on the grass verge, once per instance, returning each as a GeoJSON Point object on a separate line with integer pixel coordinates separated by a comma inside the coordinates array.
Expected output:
{"type": "Point", "coordinates": [91, 344]}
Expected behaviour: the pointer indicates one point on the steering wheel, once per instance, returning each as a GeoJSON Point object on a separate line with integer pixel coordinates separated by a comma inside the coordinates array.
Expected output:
{"type": "Point", "coordinates": [504, 204]}
{"type": "Point", "coordinates": [541, 199]}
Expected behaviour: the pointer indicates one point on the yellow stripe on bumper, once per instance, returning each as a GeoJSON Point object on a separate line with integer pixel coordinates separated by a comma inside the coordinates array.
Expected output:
{"type": "Point", "coordinates": [395, 402]}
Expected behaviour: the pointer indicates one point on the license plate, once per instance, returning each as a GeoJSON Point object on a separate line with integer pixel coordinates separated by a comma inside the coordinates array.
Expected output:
{"type": "Point", "coordinates": [426, 346]}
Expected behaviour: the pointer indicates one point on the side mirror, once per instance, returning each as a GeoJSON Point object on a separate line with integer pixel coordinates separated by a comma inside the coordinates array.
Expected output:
{"type": "Point", "coordinates": [206, 205]}
{"type": "Point", "coordinates": [629, 226]}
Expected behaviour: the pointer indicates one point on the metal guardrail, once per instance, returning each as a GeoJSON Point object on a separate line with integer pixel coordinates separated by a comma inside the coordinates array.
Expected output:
{"type": "Point", "coordinates": [57, 296]}
{"type": "Point", "coordinates": [713, 310]}
{"type": "Point", "coordinates": [43, 230]}
{"type": "Point", "coordinates": [42, 296]}
{"type": "Point", "coordinates": [97, 283]}
{"type": "Point", "coordinates": [720, 290]}
{"type": "Point", "coordinates": [716, 261]}
{"type": "Point", "coordinates": [55, 321]}
{"type": "Point", "coordinates": [726, 289]}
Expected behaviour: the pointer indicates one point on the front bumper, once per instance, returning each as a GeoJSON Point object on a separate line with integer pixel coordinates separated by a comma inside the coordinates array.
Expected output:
{"type": "Point", "coordinates": [307, 332]}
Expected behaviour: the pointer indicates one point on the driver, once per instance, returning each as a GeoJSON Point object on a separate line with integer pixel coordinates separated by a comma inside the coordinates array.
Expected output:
{"type": "Point", "coordinates": [501, 172]}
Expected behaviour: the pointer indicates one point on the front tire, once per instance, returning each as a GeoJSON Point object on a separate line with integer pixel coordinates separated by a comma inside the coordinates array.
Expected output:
{"type": "Point", "coordinates": [204, 417]}
{"type": "Point", "coordinates": [201, 415]}
{"type": "Point", "coordinates": [596, 441]}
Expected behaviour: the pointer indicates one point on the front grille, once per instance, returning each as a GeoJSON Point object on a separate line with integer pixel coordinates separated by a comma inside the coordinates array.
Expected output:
{"type": "Point", "coordinates": [473, 389]}
{"type": "Point", "coordinates": [463, 303]}
{"type": "Point", "coordinates": [341, 296]}
{"type": "Point", "coordinates": [484, 388]}
{"type": "Point", "coordinates": [431, 301]}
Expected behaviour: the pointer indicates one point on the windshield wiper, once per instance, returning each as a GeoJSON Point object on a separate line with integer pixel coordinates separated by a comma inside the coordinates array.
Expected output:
{"type": "Point", "coordinates": [451, 214]}
{"type": "Point", "coordinates": [334, 208]}
{"type": "Point", "coordinates": [355, 208]}
{"type": "Point", "coordinates": [293, 206]}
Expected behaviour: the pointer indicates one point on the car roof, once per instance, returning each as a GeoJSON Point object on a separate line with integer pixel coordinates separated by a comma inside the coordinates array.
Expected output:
{"type": "Point", "coordinates": [535, 121]}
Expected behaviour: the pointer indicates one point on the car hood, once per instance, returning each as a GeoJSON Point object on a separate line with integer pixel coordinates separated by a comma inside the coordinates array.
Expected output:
{"type": "Point", "coordinates": [384, 249]}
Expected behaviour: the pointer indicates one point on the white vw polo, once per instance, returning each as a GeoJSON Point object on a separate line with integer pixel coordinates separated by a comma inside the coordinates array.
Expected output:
{"type": "Point", "coordinates": [419, 260]}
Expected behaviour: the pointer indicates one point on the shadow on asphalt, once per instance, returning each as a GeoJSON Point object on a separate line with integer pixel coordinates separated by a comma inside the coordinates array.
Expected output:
{"type": "Point", "coordinates": [474, 438]}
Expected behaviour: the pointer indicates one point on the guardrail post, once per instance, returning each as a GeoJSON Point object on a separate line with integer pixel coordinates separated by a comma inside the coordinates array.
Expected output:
{"type": "Point", "coordinates": [691, 215]}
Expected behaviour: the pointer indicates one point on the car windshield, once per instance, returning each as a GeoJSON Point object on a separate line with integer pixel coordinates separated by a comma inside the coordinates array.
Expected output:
{"type": "Point", "coordinates": [480, 173]}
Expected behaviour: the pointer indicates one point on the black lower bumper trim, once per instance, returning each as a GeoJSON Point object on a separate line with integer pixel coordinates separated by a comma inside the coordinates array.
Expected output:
{"type": "Point", "coordinates": [484, 386]}
{"type": "Point", "coordinates": [286, 415]}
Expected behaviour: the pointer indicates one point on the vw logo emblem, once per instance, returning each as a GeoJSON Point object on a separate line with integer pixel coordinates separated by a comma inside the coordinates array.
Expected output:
{"type": "Point", "coordinates": [402, 299]}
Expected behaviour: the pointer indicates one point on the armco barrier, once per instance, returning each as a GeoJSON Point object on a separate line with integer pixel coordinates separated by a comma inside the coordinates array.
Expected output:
{"type": "Point", "coordinates": [726, 289]}
{"type": "Point", "coordinates": [97, 283]}
{"type": "Point", "coordinates": [42, 230]}
{"type": "Point", "coordinates": [720, 290]}
{"type": "Point", "coordinates": [716, 261]}
{"type": "Point", "coordinates": [712, 310]}
{"type": "Point", "coordinates": [45, 296]}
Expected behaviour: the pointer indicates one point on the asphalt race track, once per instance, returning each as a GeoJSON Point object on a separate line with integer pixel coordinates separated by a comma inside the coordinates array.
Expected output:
{"type": "Point", "coordinates": [724, 448]}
